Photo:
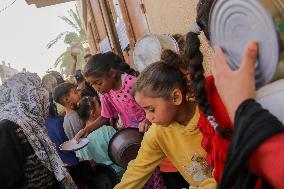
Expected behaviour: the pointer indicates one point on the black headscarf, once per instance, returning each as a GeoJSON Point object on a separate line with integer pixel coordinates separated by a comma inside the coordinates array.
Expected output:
{"type": "Point", "coordinates": [253, 125]}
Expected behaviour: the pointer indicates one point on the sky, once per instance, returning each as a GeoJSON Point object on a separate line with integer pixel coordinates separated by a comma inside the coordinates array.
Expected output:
{"type": "Point", "coordinates": [25, 31]}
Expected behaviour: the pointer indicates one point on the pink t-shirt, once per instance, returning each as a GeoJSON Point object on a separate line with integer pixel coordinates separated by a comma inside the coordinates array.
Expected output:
{"type": "Point", "coordinates": [122, 103]}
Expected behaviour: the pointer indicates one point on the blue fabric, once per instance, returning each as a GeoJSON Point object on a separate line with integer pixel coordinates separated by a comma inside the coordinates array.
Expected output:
{"type": "Point", "coordinates": [54, 125]}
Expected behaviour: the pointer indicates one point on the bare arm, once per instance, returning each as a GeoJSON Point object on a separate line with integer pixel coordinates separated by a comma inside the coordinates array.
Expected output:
{"type": "Point", "coordinates": [100, 121]}
{"type": "Point", "coordinates": [74, 64]}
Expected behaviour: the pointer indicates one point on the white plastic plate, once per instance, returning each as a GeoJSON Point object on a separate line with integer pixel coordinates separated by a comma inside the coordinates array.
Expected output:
{"type": "Point", "coordinates": [72, 145]}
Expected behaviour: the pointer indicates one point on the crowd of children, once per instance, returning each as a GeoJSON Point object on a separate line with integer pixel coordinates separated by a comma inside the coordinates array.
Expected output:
{"type": "Point", "coordinates": [195, 134]}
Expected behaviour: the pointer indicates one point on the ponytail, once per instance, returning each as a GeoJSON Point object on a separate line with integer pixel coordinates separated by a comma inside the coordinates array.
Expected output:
{"type": "Point", "coordinates": [195, 57]}
{"type": "Point", "coordinates": [125, 68]}
{"type": "Point", "coordinates": [180, 62]}
{"type": "Point", "coordinates": [173, 59]}
{"type": "Point", "coordinates": [193, 53]}
{"type": "Point", "coordinates": [86, 104]}
{"type": "Point", "coordinates": [101, 64]}
{"type": "Point", "coordinates": [159, 79]}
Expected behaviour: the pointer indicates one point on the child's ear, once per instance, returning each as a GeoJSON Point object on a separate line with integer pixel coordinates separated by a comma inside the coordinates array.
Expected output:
{"type": "Point", "coordinates": [65, 100]}
{"type": "Point", "coordinates": [92, 113]}
{"type": "Point", "coordinates": [176, 96]}
{"type": "Point", "coordinates": [113, 73]}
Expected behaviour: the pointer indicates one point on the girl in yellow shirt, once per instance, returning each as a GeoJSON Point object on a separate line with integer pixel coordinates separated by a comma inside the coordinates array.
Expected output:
{"type": "Point", "coordinates": [162, 91]}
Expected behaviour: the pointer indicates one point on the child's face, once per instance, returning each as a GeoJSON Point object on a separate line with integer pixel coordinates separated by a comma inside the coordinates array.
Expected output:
{"type": "Point", "coordinates": [96, 111]}
{"type": "Point", "coordinates": [161, 111]}
{"type": "Point", "coordinates": [74, 96]}
{"type": "Point", "coordinates": [100, 84]}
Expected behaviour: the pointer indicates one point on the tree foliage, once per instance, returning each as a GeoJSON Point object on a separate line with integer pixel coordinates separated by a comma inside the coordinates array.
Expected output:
{"type": "Point", "coordinates": [75, 37]}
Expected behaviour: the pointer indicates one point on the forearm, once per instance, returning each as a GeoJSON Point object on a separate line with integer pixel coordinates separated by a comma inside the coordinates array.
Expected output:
{"type": "Point", "coordinates": [100, 121]}
{"type": "Point", "coordinates": [135, 176]}
{"type": "Point", "coordinates": [139, 170]}
{"type": "Point", "coordinates": [73, 67]}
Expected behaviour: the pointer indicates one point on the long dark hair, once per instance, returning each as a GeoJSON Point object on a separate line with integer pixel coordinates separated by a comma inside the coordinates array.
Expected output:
{"type": "Point", "coordinates": [180, 62]}
{"type": "Point", "coordinates": [86, 104]}
{"type": "Point", "coordinates": [61, 91]}
{"type": "Point", "coordinates": [195, 57]}
{"type": "Point", "coordinates": [87, 90]}
{"type": "Point", "coordinates": [174, 59]}
{"type": "Point", "coordinates": [101, 64]}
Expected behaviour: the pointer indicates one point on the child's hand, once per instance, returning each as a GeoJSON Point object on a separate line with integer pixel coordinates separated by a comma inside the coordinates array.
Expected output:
{"type": "Point", "coordinates": [235, 86]}
{"type": "Point", "coordinates": [144, 126]}
{"type": "Point", "coordinates": [74, 57]}
{"type": "Point", "coordinates": [83, 133]}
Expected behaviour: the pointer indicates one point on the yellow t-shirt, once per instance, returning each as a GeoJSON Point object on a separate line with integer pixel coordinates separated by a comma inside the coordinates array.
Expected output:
{"type": "Point", "coordinates": [181, 145]}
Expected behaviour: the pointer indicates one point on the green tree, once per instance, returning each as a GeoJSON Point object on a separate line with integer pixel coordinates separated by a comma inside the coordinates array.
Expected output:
{"type": "Point", "coordinates": [71, 38]}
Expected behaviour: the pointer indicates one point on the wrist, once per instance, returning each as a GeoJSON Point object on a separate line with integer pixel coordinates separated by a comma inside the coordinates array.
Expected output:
{"type": "Point", "coordinates": [234, 105]}
{"type": "Point", "coordinates": [87, 130]}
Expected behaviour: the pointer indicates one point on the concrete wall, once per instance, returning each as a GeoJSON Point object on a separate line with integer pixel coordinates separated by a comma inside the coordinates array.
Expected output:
{"type": "Point", "coordinates": [175, 16]}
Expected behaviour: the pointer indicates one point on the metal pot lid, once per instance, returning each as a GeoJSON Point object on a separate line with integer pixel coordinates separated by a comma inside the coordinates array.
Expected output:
{"type": "Point", "coordinates": [235, 22]}
{"type": "Point", "coordinates": [124, 145]}
{"type": "Point", "coordinates": [148, 49]}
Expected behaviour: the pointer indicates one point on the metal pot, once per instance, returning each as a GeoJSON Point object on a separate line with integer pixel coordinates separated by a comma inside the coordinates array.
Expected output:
{"type": "Point", "coordinates": [235, 22]}
{"type": "Point", "coordinates": [124, 145]}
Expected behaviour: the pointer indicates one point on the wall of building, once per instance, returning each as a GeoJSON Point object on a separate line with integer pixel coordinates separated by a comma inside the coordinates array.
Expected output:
{"type": "Point", "coordinates": [168, 16]}
{"type": "Point", "coordinates": [163, 16]}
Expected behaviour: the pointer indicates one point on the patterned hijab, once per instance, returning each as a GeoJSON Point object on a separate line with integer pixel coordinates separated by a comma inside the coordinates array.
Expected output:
{"type": "Point", "coordinates": [24, 102]}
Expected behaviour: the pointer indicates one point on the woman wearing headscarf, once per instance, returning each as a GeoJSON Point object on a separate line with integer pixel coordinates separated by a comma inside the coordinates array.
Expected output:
{"type": "Point", "coordinates": [28, 158]}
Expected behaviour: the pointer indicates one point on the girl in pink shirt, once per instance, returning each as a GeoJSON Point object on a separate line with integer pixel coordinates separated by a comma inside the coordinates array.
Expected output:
{"type": "Point", "coordinates": [114, 79]}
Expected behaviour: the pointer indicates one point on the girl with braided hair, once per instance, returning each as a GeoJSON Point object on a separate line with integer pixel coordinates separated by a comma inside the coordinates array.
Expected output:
{"type": "Point", "coordinates": [211, 140]}
{"type": "Point", "coordinates": [162, 91]}
{"type": "Point", "coordinates": [215, 123]}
